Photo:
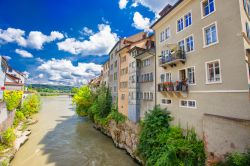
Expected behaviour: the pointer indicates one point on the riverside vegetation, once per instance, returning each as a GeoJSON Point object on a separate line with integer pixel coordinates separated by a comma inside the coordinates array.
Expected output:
{"type": "Point", "coordinates": [160, 144]}
{"type": "Point", "coordinates": [24, 111]}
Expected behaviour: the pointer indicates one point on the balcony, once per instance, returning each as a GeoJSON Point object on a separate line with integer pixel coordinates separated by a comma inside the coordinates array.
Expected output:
{"type": "Point", "coordinates": [173, 58]}
{"type": "Point", "coordinates": [178, 88]}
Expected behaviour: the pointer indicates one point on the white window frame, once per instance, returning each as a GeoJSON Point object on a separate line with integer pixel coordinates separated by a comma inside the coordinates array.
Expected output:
{"type": "Point", "coordinates": [187, 74]}
{"type": "Point", "coordinates": [183, 18]}
{"type": "Point", "coordinates": [204, 35]}
{"type": "Point", "coordinates": [170, 76]}
{"type": "Point", "coordinates": [188, 104]}
{"type": "Point", "coordinates": [202, 13]}
{"type": "Point", "coordinates": [190, 12]}
{"type": "Point", "coordinates": [177, 31]}
{"type": "Point", "coordinates": [166, 33]}
{"type": "Point", "coordinates": [185, 43]}
{"type": "Point", "coordinates": [206, 69]}
{"type": "Point", "coordinates": [162, 36]}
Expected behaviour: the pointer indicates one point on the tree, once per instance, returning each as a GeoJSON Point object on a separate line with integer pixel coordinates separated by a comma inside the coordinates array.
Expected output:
{"type": "Point", "coordinates": [83, 100]}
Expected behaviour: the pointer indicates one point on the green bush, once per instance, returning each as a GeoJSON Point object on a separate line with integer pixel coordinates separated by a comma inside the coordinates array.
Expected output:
{"type": "Point", "coordinates": [19, 116]}
{"type": "Point", "coordinates": [116, 116]}
{"type": "Point", "coordinates": [162, 145]}
{"type": "Point", "coordinates": [8, 137]}
{"type": "Point", "coordinates": [31, 105]}
{"type": "Point", "coordinates": [12, 99]}
{"type": "Point", "coordinates": [236, 159]}
{"type": "Point", "coordinates": [83, 100]}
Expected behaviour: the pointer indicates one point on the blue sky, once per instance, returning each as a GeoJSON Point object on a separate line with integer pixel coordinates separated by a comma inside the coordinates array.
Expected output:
{"type": "Point", "coordinates": [66, 41]}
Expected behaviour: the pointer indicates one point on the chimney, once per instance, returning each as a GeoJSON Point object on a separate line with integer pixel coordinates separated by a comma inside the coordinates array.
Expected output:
{"type": "Point", "coordinates": [165, 10]}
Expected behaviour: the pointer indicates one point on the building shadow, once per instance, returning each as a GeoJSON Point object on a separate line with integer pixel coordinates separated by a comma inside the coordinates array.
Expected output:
{"type": "Point", "coordinates": [74, 142]}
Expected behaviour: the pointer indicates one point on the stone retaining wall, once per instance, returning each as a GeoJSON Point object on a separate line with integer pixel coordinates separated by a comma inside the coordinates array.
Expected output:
{"type": "Point", "coordinates": [124, 135]}
{"type": "Point", "coordinates": [7, 117]}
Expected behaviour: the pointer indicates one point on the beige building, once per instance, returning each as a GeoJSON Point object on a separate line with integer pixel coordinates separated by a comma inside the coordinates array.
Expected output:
{"type": "Point", "coordinates": [141, 73]}
{"type": "Point", "coordinates": [105, 74]}
{"type": "Point", "coordinates": [123, 78]}
{"type": "Point", "coordinates": [202, 74]}
{"type": "Point", "coordinates": [114, 71]}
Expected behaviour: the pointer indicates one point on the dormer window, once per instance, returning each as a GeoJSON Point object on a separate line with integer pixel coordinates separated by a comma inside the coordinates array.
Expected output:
{"type": "Point", "coordinates": [134, 53]}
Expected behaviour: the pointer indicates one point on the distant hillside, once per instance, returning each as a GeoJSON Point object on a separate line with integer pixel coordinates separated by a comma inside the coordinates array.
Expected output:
{"type": "Point", "coordinates": [50, 88]}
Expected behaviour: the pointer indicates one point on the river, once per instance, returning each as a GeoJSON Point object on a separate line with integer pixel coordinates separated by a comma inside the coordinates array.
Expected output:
{"type": "Point", "coordinates": [60, 138]}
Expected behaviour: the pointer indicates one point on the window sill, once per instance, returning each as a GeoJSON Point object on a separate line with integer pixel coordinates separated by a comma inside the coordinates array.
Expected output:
{"type": "Point", "coordinates": [210, 83]}
{"type": "Point", "coordinates": [203, 17]}
{"type": "Point", "coordinates": [212, 44]}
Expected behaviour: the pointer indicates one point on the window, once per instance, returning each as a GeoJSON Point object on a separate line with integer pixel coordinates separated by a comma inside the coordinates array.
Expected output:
{"type": "Point", "coordinates": [123, 84]}
{"type": "Point", "coordinates": [167, 33]}
{"type": "Point", "coordinates": [208, 7]}
{"type": "Point", "coordinates": [189, 44]}
{"type": "Point", "coordinates": [123, 59]}
{"type": "Point", "coordinates": [181, 45]}
{"type": "Point", "coordinates": [123, 96]}
{"type": "Point", "coordinates": [134, 53]}
{"type": "Point", "coordinates": [180, 25]}
{"type": "Point", "coordinates": [247, 30]}
{"type": "Point", "coordinates": [124, 71]}
{"type": "Point", "coordinates": [183, 103]}
{"type": "Point", "coordinates": [210, 33]}
{"type": "Point", "coordinates": [147, 96]}
{"type": "Point", "coordinates": [111, 56]}
{"type": "Point", "coordinates": [146, 62]}
{"type": "Point", "coordinates": [115, 76]}
{"type": "Point", "coordinates": [111, 68]}
{"type": "Point", "coordinates": [213, 72]}
{"type": "Point", "coordinates": [190, 75]}
{"type": "Point", "coordinates": [162, 78]}
{"type": "Point", "coordinates": [188, 19]}
{"type": "Point", "coordinates": [168, 77]}
{"type": "Point", "coordinates": [115, 64]}
{"type": "Point", "coordinates": [188, 103]}
{"type": "Point", "coordinates": [162, 36]}
{"type": "Point", "coordinates": [166, 101]}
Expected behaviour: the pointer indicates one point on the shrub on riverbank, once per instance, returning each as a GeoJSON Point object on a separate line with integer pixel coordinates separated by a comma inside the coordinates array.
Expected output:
{"type": "Point", "coordinates": [97, 105]}
{"type": "Point", "coordinates": [12, 99]}
{"type": "Point", "coordinates": [236, 159]}
{"type": "Point", "coordinates": [8, 137]}
{"type": "Point", "coordinates": [83, 100]}
{"type": "Point", "coordinates": [19, 116]}
{"type": "Point", "coordinates": [31, 105]}
{"type": "Point", "coordinates": [161, 144]}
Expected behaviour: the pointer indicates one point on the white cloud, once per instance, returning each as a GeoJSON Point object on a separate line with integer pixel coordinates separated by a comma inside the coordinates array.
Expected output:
{"type": "Point", "coordinates": [23, 53]}
{"type": "Point", "coordinates": [63, 72]}
{"type": "Point", "coordinates": [99, 43]}
{"type": "Point", "coordinates": [140, 22]}
{"type": "Point", "coordinates": [40, 60]}
{"type": "Point", "coordinates": [12, 35]}
{"type": "Point", "coordinates": [35, 39]}
{"type": "Point", "coordinates": [123, 4]}
{"type": "Point", "coordinates": [40, 75]}
{"type": "Point", "coordinates": [86, 31]}
{"type": "Point", "coordinates": [154, 6]}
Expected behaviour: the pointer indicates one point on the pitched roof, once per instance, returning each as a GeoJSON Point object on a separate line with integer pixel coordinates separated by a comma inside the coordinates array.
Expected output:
{"type": "Point", "coordinates": [167, 11]}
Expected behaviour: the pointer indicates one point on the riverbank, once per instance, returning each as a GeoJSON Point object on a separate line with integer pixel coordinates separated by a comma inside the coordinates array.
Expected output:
{"type": "Point", "coordinates": [124, 135]}
{"type": "Point", "coordinates": [22, 133]}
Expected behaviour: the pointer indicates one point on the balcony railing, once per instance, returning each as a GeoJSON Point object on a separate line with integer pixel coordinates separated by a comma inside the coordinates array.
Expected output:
{"type": "Point", "coordinates": [173, 58]}
{"type": "Point", "coordinates": [178, 88]}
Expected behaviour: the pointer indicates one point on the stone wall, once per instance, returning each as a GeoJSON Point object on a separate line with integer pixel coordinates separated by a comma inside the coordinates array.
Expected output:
{"type": "Point", "coordinates": [125, 136]}
{"type": "Point", "coordinates": [225, 135]}
{"type": "Point", "coordinates": [6, 117]}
